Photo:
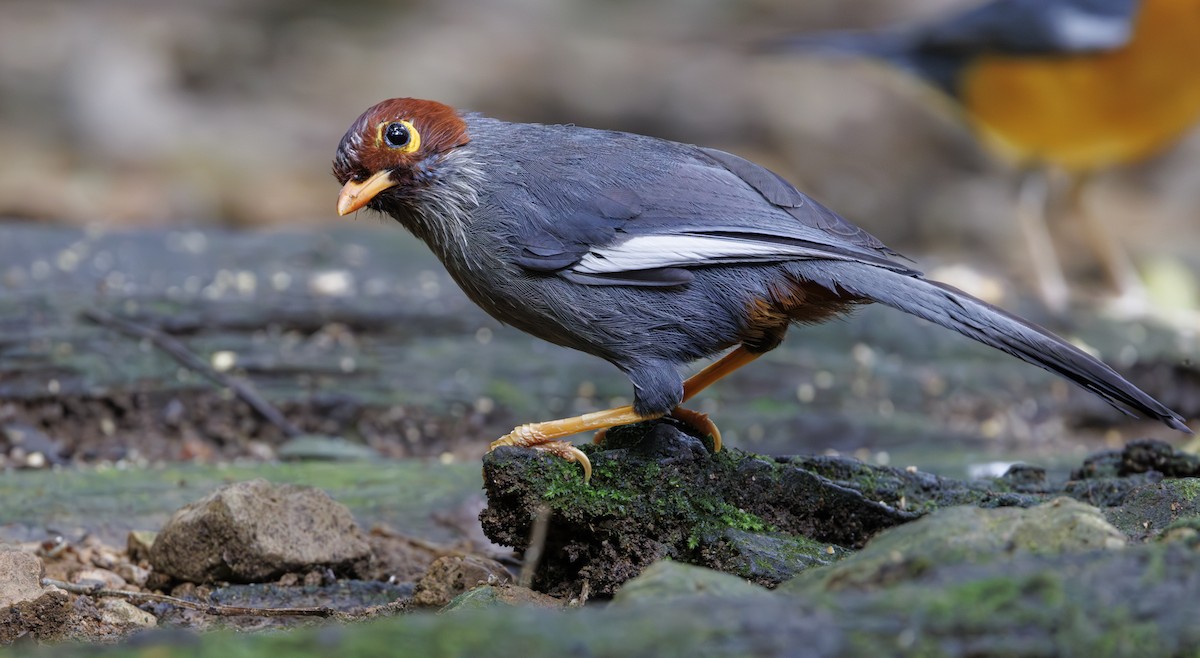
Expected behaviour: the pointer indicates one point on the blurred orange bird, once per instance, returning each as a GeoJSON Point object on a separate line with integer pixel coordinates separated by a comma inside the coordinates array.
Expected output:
{"type": "Point", "coordinates": [1072, 85]}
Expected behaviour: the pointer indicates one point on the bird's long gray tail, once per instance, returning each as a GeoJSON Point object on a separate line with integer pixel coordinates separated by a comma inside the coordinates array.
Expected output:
{"type": "Point", "coordinates": [952, 308]}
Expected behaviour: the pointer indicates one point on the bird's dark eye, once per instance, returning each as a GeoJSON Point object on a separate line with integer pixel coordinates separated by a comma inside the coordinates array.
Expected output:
{"type": "Point", "coordinates": [400, 135]}
{"type": "Point", "coordinates": [397, 135]}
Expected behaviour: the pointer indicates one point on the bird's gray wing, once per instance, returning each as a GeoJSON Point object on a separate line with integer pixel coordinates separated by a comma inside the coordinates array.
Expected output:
{"type": "Point", "coordinates": [707, 208]}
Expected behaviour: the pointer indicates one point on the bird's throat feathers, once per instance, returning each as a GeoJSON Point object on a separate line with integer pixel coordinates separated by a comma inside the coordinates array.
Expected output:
{"type": "Point", "coordinates": [439, 210]}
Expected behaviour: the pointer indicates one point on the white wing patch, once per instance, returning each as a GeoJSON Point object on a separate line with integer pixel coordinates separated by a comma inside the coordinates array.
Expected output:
{"type": "Point", "coordinates": [1086, 31]}
{"type": "Point", "coordinates": [653, 251]}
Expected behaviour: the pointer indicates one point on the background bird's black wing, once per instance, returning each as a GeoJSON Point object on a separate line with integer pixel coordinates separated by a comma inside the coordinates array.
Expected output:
{"type": "Point", "coordinates": [938, 50]}
{"type": "Point", "coordinates": [1032, 27]}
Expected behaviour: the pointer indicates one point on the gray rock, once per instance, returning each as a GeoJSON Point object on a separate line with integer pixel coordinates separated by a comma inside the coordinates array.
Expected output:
{"type": "Point", "coordinates": [20, 576]}
{"type": "Point", "coordinates": [667, 581]}
{"type": "Point", "coordinates": [967, 535]}
{"type": "Point", "coordinates": [452, 575]}
{"type": "Point", "coordinates": [765, 558]}
{"type": "Point", "coordinates": [256, 531]}
{"type": "Point", "coordinates": [657, 493]}
{"type": "Point", "coordinates": [124, 614]}
{"type": "Point", "coordinates": [1147, 510]}
{"type": "Point", "coordinates": [501, 596]}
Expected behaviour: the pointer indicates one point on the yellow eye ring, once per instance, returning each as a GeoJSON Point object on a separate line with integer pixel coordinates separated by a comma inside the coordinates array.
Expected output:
{"type": "Point", "coordinates": [399, 135]}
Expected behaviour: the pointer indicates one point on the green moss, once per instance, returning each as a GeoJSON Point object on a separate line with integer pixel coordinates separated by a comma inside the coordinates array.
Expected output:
{"type": "Point", "coordinates": [714, 516]}
{"type": "Point", "coordinates": [769, 407]}
{"type": "Point", "coordinates": [401, 493]}
{"type": "Point", "coordinates": [979, 603]}
{"type": "Point", "coordinates": [1187, 488]}
{"type": "Point", "coordinates": [623, 487]}
{"type": "Point", "coordinates": [802, 550]}
{"type": "Point", "coordinates": [1156, 570]}
{"type": "Point", "coordinates": [1190, 522]}
{"type": "Point", "coordinates": [507, 394]}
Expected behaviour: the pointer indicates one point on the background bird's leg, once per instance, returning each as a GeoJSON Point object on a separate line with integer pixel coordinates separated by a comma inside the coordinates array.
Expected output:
{"type": "Point", "coordinates": [1117, 264]}
{"type": "Point", "coordinates": [1033, 195]}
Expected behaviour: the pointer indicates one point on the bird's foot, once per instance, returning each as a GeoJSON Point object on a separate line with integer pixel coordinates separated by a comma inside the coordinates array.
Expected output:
{"type": "Point", "coordinates": [701, 423]}
{"type": "Point", "coordinates": [529, 436]}
{"type": "Point", "coordinates": [694, 419]}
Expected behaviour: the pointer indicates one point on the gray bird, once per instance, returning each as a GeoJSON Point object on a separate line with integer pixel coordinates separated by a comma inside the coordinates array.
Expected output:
{"type": "Point", "coordinates": [650, 254]}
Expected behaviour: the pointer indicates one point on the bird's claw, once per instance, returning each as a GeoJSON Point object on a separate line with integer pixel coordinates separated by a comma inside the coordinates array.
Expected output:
{"type": "Point", "coordinates": [694, 419]}
{"type": "Point", "coordinates": [528, 436]}
{"type": "Point", "coordinates": [701, 423]}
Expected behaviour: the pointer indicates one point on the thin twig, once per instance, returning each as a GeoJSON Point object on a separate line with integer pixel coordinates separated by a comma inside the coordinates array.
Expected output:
{"type": "Point", "coordinates": [537, 544]}
{"type": "Point", "coordinates": [207, 608]}
{"type": "Point", "coordinates": [437, 549]}
{"type": "Point", "coordinates": [178, 351]}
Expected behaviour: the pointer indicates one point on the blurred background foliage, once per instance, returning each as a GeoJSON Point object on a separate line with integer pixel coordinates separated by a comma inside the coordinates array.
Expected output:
{"type": "Point", "coordinates": [227, 112]}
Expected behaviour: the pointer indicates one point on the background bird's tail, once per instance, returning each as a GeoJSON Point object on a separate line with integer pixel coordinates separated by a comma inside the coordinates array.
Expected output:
{"type": "Point", "coordinates": [879, 44]}
{"type": "Point", "coordinates": [974, 318]}
{"type": "Point", "coordinates": [898, 47]}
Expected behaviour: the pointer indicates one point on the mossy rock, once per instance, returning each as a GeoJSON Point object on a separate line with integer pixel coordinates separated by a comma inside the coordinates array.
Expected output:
{"type": "Point", "coordinates": [657, 492]}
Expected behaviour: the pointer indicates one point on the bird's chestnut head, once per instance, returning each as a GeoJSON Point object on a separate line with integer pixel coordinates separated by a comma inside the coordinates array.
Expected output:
{"type": "Point", "coordinates": [393, 148]}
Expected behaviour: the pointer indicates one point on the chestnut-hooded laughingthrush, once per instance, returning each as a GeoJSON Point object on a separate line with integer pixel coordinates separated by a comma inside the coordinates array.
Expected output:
{"type": "Point", "coordinates": [650, 254]}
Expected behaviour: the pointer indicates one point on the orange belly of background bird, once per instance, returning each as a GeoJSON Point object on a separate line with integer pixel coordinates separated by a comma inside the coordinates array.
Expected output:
{"type": "Point", "coordinates": [1090, 111]}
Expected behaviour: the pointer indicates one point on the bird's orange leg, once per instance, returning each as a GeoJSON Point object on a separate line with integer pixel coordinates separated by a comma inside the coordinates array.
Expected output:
{"type": "Point", "coordinates": [716, 370]}
{"type": "Point", "coordinates": [1033, 196]}
{"type": "Point", "coordinates": [547, 435]}
{"type": "Point", "coordinates": [1122, 274]}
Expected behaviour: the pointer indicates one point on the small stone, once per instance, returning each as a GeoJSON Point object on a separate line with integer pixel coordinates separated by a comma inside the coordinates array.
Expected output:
{"type": "Point", "coordinates": [224, 360]}
{"type": "Point", "coordinates": [102, 577]}
{"type": "Point", "coordinates": [20, 576]}
{"type": "Point", "coordinates": [132, 574]}
{"type": "Point", "coordinates": [122, 613]}
{"type": "Point", "coordinates": [138, 544]}
{"type": "Point", "coordinates": [666, 581]}
{"type": "Point", "coordinates": [452, 575]}
{"type": "Point", "coordinates": [494, 596]}
{"type": "Point", "coordinates": [276, 528]}
{"type": "Point", "coordinates": [38, 449]}
{"type": "Point", "coordinates": [332, 283]}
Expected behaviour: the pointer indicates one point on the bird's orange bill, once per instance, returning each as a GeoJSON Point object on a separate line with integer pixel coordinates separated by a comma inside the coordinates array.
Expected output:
{"type": "Point", "coordinates": [355, 195]}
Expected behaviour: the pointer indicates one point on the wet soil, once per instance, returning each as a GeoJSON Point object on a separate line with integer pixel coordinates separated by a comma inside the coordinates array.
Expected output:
{"type": "Point", "coordinates": [357, 335]}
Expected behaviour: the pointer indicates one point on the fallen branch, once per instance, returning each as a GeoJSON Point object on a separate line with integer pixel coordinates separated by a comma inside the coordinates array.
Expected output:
{"type": "Point", "coordinates": [207, 608]}
{"type": "Point", "coordinates": [185, 357]}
